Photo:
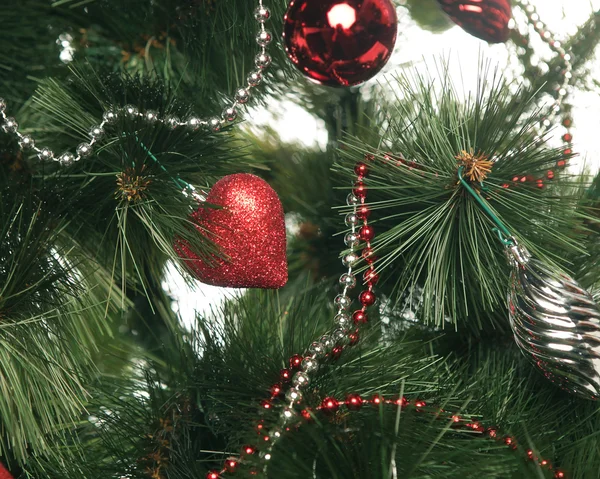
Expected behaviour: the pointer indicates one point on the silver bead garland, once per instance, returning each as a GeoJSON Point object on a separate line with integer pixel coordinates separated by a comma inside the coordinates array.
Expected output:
{"type": "Point", "coordinates": [262, 61]}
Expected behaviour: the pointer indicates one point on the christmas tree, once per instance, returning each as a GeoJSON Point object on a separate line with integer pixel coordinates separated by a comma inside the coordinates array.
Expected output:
{"type": "Point", "coordinates": [410, 240]}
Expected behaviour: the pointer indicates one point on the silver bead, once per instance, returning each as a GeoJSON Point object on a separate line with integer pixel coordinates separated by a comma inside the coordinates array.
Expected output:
{"type": "Point", "coordinates": [66, 158]}
{"type": "Point", "coordinates": [10, 125]}
{"type": "Point", "coordinates": [265, 455]}
{"type": "Point", "coordinates": [340, 336]}
{"type": "Point", "coordinates": [131, 110]}
{"type": "Point", "coordinates": [254, 78]}
{"type": "Point", "coordinates": [110, 116]}
{"type": "Point", "coordinates": [242, 95]}
{"type": "Point", "coordinates": [262, 14]}
{"type": "Point", "coordinates": [309, 365]}
{"type": "Point", "coordinates": [84, 150]}
{"type": "Point", "coordinates": [215, 124]}
{"type": "Point", "coordinates": [26, 142]}
{"type": "Point", "coordinates": [348, 280]}
{"type": "Point", "coordinates": [293, 395]}
{"type": "Point", "coordinates": [229, 114]}
{"type": "Point", "coordinates": [352, 200]}
{"type": "Point", "coordinates": [262, 60]}
{"type": "Point", "coordinates": [342, 301]}
{"type": "Point", "coordinates": [556, 324]}
{"type": "Point", "coordinates": [327, 342]}
{"type": "Point", "coordinates": [300, 380]}
{"type": "Point", "coordinates": [97, 132]}
{"type": "Point", "coordinates": [172, 122]}
{"type": "Point", "coordinates": [194, 123]}
{"type": "Point", "coordinates": [287, 414]}
{"type": "Point", "coordinates": [46, 154]}
{"type": "Point", "coordinates": [343, 321]}
{"type": "Point", "coordinates": [351, 219]}
{"type": "Point", "coordinates": [263, 38]}
{"type": "Point", "coordinates": [275, 433]}
{"type": "Point", "coordinates": [352, 240]}
{"type": "Point", "coordinates": [2, 104]}
{"type": "Point", "coordinates": [316, 349]}
{"type": "Point", "coordinates": [350, 260]}
{"type": "Point", "coordinates": [151, 116]}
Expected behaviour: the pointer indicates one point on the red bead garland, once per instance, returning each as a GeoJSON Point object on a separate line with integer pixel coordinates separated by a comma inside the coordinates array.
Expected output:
{"type": "Point", "coordinates": [354, 402]}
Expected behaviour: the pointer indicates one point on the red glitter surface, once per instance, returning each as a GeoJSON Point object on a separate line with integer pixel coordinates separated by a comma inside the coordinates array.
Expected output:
{"type": "Point", "coordinates": [4, 474]}
{"type": "Point", "coordinates": [485, 19]}
{"type": "Point", "coordinates": [340, 42]}
{"type": "Point", "coordinates": [250, 231]}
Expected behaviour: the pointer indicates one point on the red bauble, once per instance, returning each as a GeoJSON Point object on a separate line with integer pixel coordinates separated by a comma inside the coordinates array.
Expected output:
{"type": "Point", "coordinates": [367, 298]}
{"type": "Point", "coordinates": [340, 42]}
{"type": "Point", "coordinates": [248, 227]}
{"type": "Point", "coordinates": [353, 402]}
{"type": "Point", "coordinates": [485, 19]}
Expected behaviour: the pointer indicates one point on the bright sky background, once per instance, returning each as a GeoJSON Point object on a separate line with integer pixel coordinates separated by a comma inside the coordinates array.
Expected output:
{"type": "Point", "coordinates": [414, 45]}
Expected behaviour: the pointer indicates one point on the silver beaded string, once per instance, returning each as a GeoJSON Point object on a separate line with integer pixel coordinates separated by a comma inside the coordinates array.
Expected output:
{"type": "Point", "coordinates": [556, 46]}
{"type": "Point", "coordinates": [325, 345]}
{"type": "Point", "coordinates": [262, 61]}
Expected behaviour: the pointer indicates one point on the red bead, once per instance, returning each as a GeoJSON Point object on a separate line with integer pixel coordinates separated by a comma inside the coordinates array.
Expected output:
{"type": "Point", "coordinates": [505, 185]}
{"type": "Point", "coordinates": [559, 475]}
{"type": "Point", "coordinates": [330, 404]}
{"type": "Point", "coordinates": [402, 402]}
{"type": "Point", "coordinates": [366, 233]}
{"type": "Point", "coordinates": [285, 375]}
{"type": "Point", "coordinates": [296, 361]}
{"type": "Point", "coordinates": [550, 174]}
{"type": "Point", "coordinates": [561, 163]}
{"type": "Point", "coordinates": [353, 337]}
{"type": "Point", "coordinates": [508, 441]}
{"type": "Point", "coordinates": [353, 402]}
{"type": "Point", "coordinates": [492, 432]}
{"type": "Point", "coordinates": [361, 169]}
{"type": "Point", "coordinates": [363, 212]}
{"type": "Point", "coordinates": [530, 453]}
{"type": "Point", "coordinates": [336, 352]}
{"type": "Point", "coordinates": [360, 190]}
{"type": "Point", "coordinates": [567, 122]}
{"type": "Point", "coordinates": [371, 277]}
{"type": "Point", "coordinates": [377, 400]}
{"type": "Point", "coordinates": [231, 465]}
{"type": "Point", "coordinates": [540, 183]}
{"type": "Point", "coordinates": [213, 475]}
{"type": "Point", "coordinates": [360, 317]}
{"type": "Point", "coordinates": [567, 152]}
{"type": "Point", "coordinates": [369, 157]}
{"type": "Point", "coordinates": [515, 179]}
{"type": "Point", "coordinates": [306, 414]}
{"type": "Point", "coordinates": [523, 179]}
{"type": "Point", "coordinates": [266, 405]}
{"type": "Point", "coordinates": [249, 450]}
{"type": "Point", "coordinates": [420, 404]}
{"type": "Point", "coordinates": [367, 298]}
{"type": "Point", "coordinates": [455, 418]}
{"type": "Point", "coordinates": [340, 42]}
{"type": "Point", "coordinates": [487, 20]}
{"type": "Point", "coordinates": [275, 390]}
{"type": "Point", "coordinates": [369, 255]}
{"type": "Point", "coordinates": [567, 137]}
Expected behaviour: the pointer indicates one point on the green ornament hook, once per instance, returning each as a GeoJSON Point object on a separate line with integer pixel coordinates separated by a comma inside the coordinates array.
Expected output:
{"type": "Point", "coordinates": [501, 230]}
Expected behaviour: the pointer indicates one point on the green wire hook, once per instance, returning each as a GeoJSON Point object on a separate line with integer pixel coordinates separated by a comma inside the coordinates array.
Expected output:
{"type": "Point", "coordinates": [501, 230]}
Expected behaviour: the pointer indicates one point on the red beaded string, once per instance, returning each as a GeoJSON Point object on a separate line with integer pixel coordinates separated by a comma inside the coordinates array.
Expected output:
{"type": "Point", "coordinates": [352, 402]}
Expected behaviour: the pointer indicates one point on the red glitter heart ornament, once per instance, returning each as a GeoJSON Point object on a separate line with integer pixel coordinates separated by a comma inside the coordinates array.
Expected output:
{"type": "Point", "coordinates": [4, 474]}
{"type": "Point", "coordinates": [485, 19]}
{"type": "Point", "coordinates": [249, 229]}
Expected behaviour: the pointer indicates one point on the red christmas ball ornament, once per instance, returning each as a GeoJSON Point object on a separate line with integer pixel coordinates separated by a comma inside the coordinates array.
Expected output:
{"type": "Point", "coordinates": [249, 229]}
{"type": "Point", "coordinates": [366, 233]}
{"type": "Point", "coordinates": [361, 169]}
{"type": "Point", "coordinates": [371, 277]}
{"type": "Point", "coordinates": [363, 212]}
{"type": "Point", "coordinates": [213, 475]}
{"type": "Point", "coordinates": [340, 42]}
{"type": "Point", "coordinates": [285, 375]}
{"type": "Point", "coordinates": [485, 19]}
